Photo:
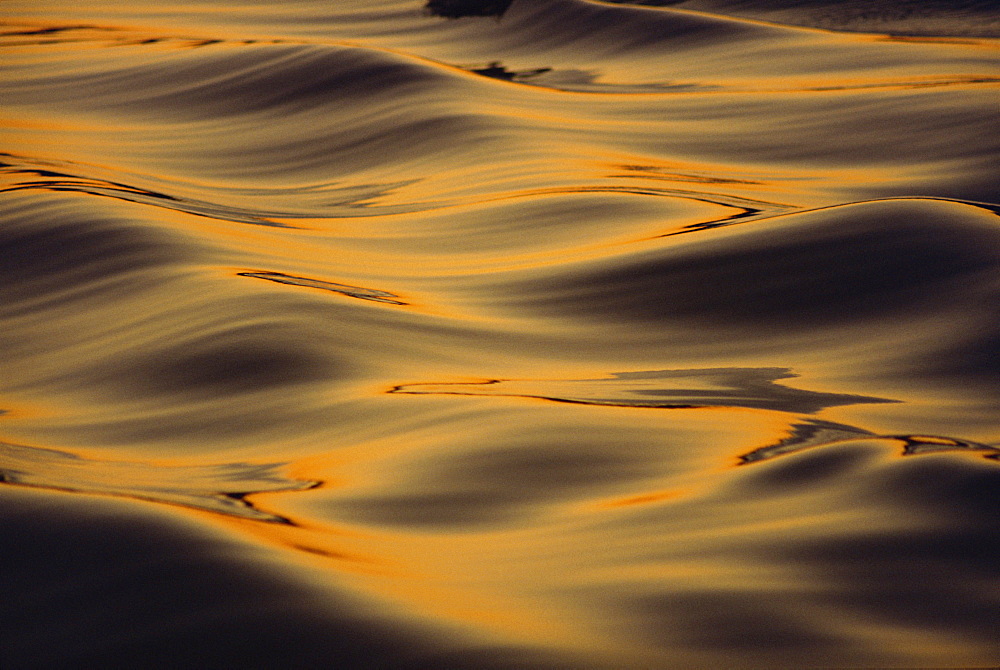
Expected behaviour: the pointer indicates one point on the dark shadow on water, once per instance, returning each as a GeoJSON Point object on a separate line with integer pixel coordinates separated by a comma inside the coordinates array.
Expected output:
{"type": "Point", "coordinates": [234, 361]}
{"type": "Point", "coordinates": [906, 542]}
{"type": "Point", "coordinates": [90, 583]}
{"type": "Point", "coordinates": [842, 265]}
{"type": "Point", "coordinates": [496, 70]}
{"type": "Point", "coordinates": [50, 243]}
{"type": "Point", "coordinates": [504, 486]}
{"type": "Point", "coordinates": [646, 3]}
{"type": "Point", "coordinates": [734, 621]}
{"type": "Point", "coordinates": [454, 9]}
{"type": "Point", "coordinates": [938, 575]}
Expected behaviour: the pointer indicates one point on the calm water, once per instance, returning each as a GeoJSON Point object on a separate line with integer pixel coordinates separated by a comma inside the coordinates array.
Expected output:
{"type": "Point", "coordinates": [362, 333]}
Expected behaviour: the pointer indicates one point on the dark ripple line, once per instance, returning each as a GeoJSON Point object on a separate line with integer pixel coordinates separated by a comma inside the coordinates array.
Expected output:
{"type": "Point", "coordinates": [133, 194]}
{"type": "Point", "coordinates": [761, 214]}
{"type": "Point", "coordinates": [37, 467]}
{"type": "Point", "coordinates": [817, 433]}
{"type": "Point", "coordinates": [354, 197]}
{"type": "Point", "coordinates": [754, 388]}
{"type": "Point", "coordinates": [374, 295]}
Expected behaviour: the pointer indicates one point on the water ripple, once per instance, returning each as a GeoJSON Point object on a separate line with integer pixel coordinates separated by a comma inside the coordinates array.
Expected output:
{"type": "Point", "coordinates": [585, 334]}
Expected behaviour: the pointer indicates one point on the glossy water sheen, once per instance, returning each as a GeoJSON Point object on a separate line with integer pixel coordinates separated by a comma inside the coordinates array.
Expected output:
{"type": "Point", "coordinates": [551, 334]}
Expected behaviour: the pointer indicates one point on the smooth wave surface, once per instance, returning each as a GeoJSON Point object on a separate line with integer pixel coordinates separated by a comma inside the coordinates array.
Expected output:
{"type": "Point", "coordinates": [520, 334]}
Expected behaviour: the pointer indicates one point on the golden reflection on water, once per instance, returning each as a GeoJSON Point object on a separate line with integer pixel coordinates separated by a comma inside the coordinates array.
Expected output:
{"type": "Point", "coordinates": [581, 336]}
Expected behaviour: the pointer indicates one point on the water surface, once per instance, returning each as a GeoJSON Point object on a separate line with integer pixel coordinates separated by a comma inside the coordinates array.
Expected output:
{"type": "Point", "coordinates": [543, 333]}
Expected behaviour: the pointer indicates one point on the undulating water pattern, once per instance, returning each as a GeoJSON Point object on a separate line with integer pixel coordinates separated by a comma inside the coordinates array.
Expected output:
{"type": "Point", "coordinates": [499, 334]}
